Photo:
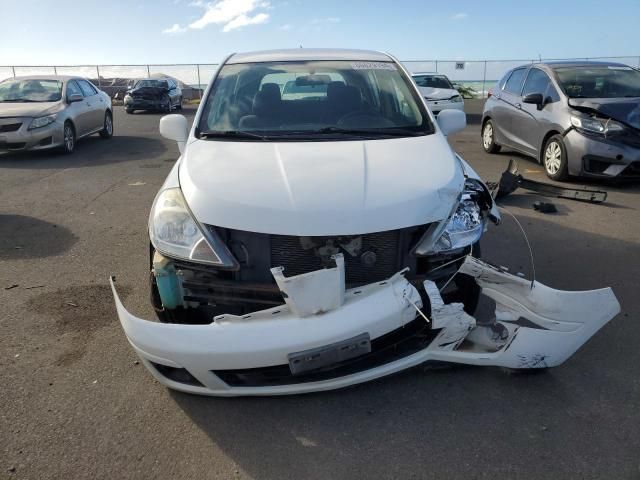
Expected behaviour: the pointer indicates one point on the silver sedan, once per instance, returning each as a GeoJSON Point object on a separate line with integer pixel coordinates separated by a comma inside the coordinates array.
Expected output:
{"type": "Point", "coordinates": [43, 112]}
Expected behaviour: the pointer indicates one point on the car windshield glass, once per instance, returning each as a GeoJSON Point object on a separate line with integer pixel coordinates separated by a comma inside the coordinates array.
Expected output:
{"type": "Point", "coordinates": [34, 90]}
{"type": "Point", "coordinates": [599, 81]}
{"type": "Point", "coordinates": [152, 84]}
{"type": "Point", "coordinates": [312, 100]}
{"type": "Point", "coordinates": [433, 81]}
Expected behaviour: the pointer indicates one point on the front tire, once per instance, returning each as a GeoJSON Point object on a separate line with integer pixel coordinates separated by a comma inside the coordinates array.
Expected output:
{"type": "Point", "coordinates": [179, 105]}
{"type": "Point", "coordinates": [107, 130]}
{"type": "Point", "coordinates": [69, 138]}
{"type": "Point", "coordinates": [129, 110]}
{"type": "Point", "coordinates": [554, 158]}
{"type": "Point", "coordinates": [488, 138]}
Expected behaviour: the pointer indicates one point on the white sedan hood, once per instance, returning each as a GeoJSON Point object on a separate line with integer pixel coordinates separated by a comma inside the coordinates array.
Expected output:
{"type": "Point", "coordinates": [321, 188]}
{"type": "Point", "coordinates": [437, 93]}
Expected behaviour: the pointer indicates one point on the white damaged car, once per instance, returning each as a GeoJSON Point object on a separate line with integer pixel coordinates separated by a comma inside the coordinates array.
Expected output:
{"type": "Point", "coordinates": [312, 241]}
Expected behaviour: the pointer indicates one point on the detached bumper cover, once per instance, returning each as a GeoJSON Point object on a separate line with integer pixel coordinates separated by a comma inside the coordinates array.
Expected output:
{"type": "Point", "coordinates": [557, 324]}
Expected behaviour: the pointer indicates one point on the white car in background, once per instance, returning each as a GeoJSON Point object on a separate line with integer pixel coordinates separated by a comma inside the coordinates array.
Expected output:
{"type": "Point", "coordinates": [438, 92]}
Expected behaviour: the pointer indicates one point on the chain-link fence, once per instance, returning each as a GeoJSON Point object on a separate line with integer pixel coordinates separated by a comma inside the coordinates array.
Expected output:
{"type": "Point", "coordinates": [475, 76]}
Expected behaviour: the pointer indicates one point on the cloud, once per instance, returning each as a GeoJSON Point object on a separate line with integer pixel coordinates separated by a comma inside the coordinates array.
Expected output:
{"type": "Point", "coordinates": [231, 14]}
{"type": "Point", "coordinates": [174, 30]}
{"type": "Point", "coordinates": [459, 16]}
{"type": "Point", "coordinates": [319, 21]}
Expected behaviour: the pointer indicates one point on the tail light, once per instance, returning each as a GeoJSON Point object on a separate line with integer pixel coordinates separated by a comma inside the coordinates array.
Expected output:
{"type": "Point", "coordinates": [490, 92]}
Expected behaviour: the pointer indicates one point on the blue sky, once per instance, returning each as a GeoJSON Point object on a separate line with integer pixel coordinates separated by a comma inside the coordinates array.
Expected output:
{"type": "Point", "coordinates": [37, 32]}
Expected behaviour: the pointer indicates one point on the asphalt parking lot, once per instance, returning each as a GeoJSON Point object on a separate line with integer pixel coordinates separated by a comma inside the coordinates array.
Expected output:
{"type": "Point", "coordinates": [75, 403]}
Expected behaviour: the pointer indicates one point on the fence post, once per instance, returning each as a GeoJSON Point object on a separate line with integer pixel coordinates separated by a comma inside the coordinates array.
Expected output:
{"type": "Point", "coordinates": [436, 66]}
{"type": "Point", "coordinates": [638, 62]}
{"type": "Point", "coordinates": [199, 84]}
{"type": "Point", "coordinates": [55, 70]}
{"type": "Point", "coordinates": [98, 72]}
{"type": "Point", "coordinates": [484, 77]}
{"type": "Point", "coordinates": [148, 72]}
{"type": "Point", "coordinates": [13, 69]}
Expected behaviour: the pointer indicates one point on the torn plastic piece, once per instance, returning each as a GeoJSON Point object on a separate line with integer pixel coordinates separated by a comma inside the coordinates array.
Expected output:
{"type": "Point", "coordinates": [545, 207]}
{"type": "Point", "coordinates": [313, 292]}
{"type": "Point", "coordinates": [511, 180]}
{"type": "Point", "coordinates": [546, 326]}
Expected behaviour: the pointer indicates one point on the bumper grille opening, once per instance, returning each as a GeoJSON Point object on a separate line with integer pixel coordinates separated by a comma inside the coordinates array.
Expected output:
{"type": "Point", "coordinates": [633, 170]}
{"type": "Point", "coordinates": [397, 344]}
{"type": "Point", "coordinates": [593, 164]}
{"type": "Point", "coordinates": [45, 141]}
{"type": "Point", "coordinates": [180, 375]}
{"type": "Point", "coordinates": [12, 127]}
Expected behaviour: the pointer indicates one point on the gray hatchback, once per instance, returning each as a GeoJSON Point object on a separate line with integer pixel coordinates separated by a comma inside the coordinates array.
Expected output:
{"type": "Point", "coordinates": [576, 118]}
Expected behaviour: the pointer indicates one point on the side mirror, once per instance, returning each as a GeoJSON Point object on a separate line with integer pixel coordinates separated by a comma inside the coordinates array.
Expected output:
{"type": "Point", "coordinates": [75, 97]}
{"type": "Point", "coordinates": [533, 98]}
{"type": "Point", "coordinates": [175, 127]}
{"type": "Point", "coordinates": [451, 121]}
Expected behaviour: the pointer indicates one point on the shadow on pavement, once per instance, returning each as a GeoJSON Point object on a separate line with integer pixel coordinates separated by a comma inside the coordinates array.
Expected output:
{"type": "Point", "coordinates": [463, 422]}
{"type": "Point", "coordinates": [91, 151]}
{"type": "Point", "coordinates": [24, 237]}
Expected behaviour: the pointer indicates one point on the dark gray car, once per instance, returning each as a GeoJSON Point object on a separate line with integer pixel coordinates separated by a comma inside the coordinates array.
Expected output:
{"type": "Point", "coordinates": [576, 118]}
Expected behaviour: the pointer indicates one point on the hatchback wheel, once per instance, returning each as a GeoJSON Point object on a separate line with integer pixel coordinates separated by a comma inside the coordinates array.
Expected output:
{"type": "Point", "coordinates": [107, 130]}
{"type": "Point", "coordinates": [488, 138]}
{"type": "Point", "coordinates": [69, 137]}
{"type": "Point", "coordinates": [554, 158]}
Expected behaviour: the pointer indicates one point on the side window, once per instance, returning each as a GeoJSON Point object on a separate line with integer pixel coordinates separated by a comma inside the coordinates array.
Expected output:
{"type": "Point", "coordinates": [503, 80]}
{"type": "Point", "coordinates": [87, 89]}
{"type": "Point", "coordinates": [537, 82]}
{"type": "Point", "coordinates": [514, 84]}
{"type": "Point", "coordinates": [73, 88]}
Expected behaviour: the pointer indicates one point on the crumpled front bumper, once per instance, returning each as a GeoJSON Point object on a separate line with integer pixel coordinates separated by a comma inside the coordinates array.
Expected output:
{"type": "Point", "coordinates": [545, 327]}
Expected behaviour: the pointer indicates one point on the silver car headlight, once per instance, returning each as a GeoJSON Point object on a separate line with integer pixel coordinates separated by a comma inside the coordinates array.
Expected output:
{"type": "Point", "coordinates": [174, 232]}
{"type": "Point", "coordinates": [463, 227]}
{"type": "Point", "coordinates": [42, 121]}
{"type": "Point", "coordinates": [456, 99]}
{"type": "Point", "coordinates": [596, 125]}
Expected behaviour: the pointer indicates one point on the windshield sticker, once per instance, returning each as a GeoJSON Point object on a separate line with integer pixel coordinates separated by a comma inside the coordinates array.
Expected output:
{"type": "Point", "coordinates": [373, 66]}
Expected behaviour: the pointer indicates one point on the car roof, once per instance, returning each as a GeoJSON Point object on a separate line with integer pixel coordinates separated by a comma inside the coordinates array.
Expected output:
{"type": "Point", "coordinates": [571, 63]}
{"type": "Point", "coordinates": [428, 73]}
{"type": "Point", "coordinates": [301, 54]}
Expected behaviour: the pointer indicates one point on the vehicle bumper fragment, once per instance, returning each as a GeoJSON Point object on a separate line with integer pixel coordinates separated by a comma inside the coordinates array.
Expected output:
{"type": "Point", "coordinates": [545, 327]}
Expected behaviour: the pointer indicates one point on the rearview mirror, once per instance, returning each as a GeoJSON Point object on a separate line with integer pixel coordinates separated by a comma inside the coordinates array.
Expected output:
{"type": "Point", "coordinates": [533, 98]}
{"type": "Point", "coordinates": [74, 97]}
{"type": "Point", "coordinates": [175, 127]}
{"type": "Point", "coordinates": [451, 121]}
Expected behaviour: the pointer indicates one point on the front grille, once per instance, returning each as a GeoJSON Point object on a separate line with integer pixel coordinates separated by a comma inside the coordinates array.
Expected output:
{"type": "Point", "coordinates": [11, 127]}
{"type": "Point", "coordinates": [12, 146]}
{"type": "Point", "coordinates": [287, 251]}
{"type": "Point", "coordinates": [397, 344]}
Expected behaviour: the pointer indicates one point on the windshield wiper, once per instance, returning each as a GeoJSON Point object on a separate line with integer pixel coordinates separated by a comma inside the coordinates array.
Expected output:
{"type": "Point", "coordinates": [391, 131]}
{"type": "Point", "coordinates": [230, 134]}
{"type": "Point", "coordinates": [19, 100]}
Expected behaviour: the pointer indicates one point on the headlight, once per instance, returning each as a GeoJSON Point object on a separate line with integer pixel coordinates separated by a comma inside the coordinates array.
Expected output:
{"type": "Point", "coordinates": [463, 228]}
{"type": "Point", "coordinates": [175, 233]}
{"type": "Point", "coordinates": [42, 121]}
{"type": "Point", "coordinates": [456, 99]}
{"type": "Point", "coordinates": [596, 125]}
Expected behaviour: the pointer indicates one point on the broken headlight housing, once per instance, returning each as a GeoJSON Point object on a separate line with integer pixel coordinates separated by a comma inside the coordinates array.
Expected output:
{"type": "Point", "coordinates": [589, 124]}
{"type": "Point", "coordinates": [174, 232]}
{"type": "Point", "coordinates": [464, 226]}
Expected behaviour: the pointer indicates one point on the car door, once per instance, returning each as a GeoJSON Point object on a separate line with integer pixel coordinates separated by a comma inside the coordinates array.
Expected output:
{"type": "Point", "coordinates": [95, 104]}
{"type": "Point", "coordinates": [78, 112]}
{"type": "Point", "coordinates": [506, 108]}
{"type": "Point", "coordinates": [531, 122]}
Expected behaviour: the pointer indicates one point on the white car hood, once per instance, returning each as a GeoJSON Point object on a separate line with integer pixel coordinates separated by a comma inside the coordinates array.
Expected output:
{"type": "Point", "coordinates": [437, 93]}
{"type": "Point", "coordinates": [321, 188]}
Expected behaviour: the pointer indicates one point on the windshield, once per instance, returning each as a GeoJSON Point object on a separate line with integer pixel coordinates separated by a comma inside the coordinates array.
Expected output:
{"type": "Point", "coordinates": [433, 81]}
{"type": "Point", "coordinates": [151, 83]}
{"type": "Point", "coordinates": [312, 100]}
{"type": "Point", "coordinates": [21, 90]}
{"type": "Point", "coordinates": [599, 81]}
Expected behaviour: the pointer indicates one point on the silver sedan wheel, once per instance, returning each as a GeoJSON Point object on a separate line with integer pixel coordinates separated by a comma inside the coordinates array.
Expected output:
{"type": "Point", "coordinates": [553, 158]}
{"type": "Point", "coordinates": [108, 124]}
{"type": "Point", "coordinates": [68, 138]}
{"type": "Point", "coordinates": [487, 136]}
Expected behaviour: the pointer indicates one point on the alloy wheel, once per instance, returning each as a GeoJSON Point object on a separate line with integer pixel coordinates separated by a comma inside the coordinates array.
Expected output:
{"type": "Point", "coordinates": [68, 138]}
{"type": "Point", "coordinates": [552, 158]}
{"type": "Point", "coordinates": [487, 136]}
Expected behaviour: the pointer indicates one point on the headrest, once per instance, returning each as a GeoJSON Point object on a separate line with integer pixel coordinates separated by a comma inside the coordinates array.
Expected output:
{"type": "Point", "coordinates": [267, 99]}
